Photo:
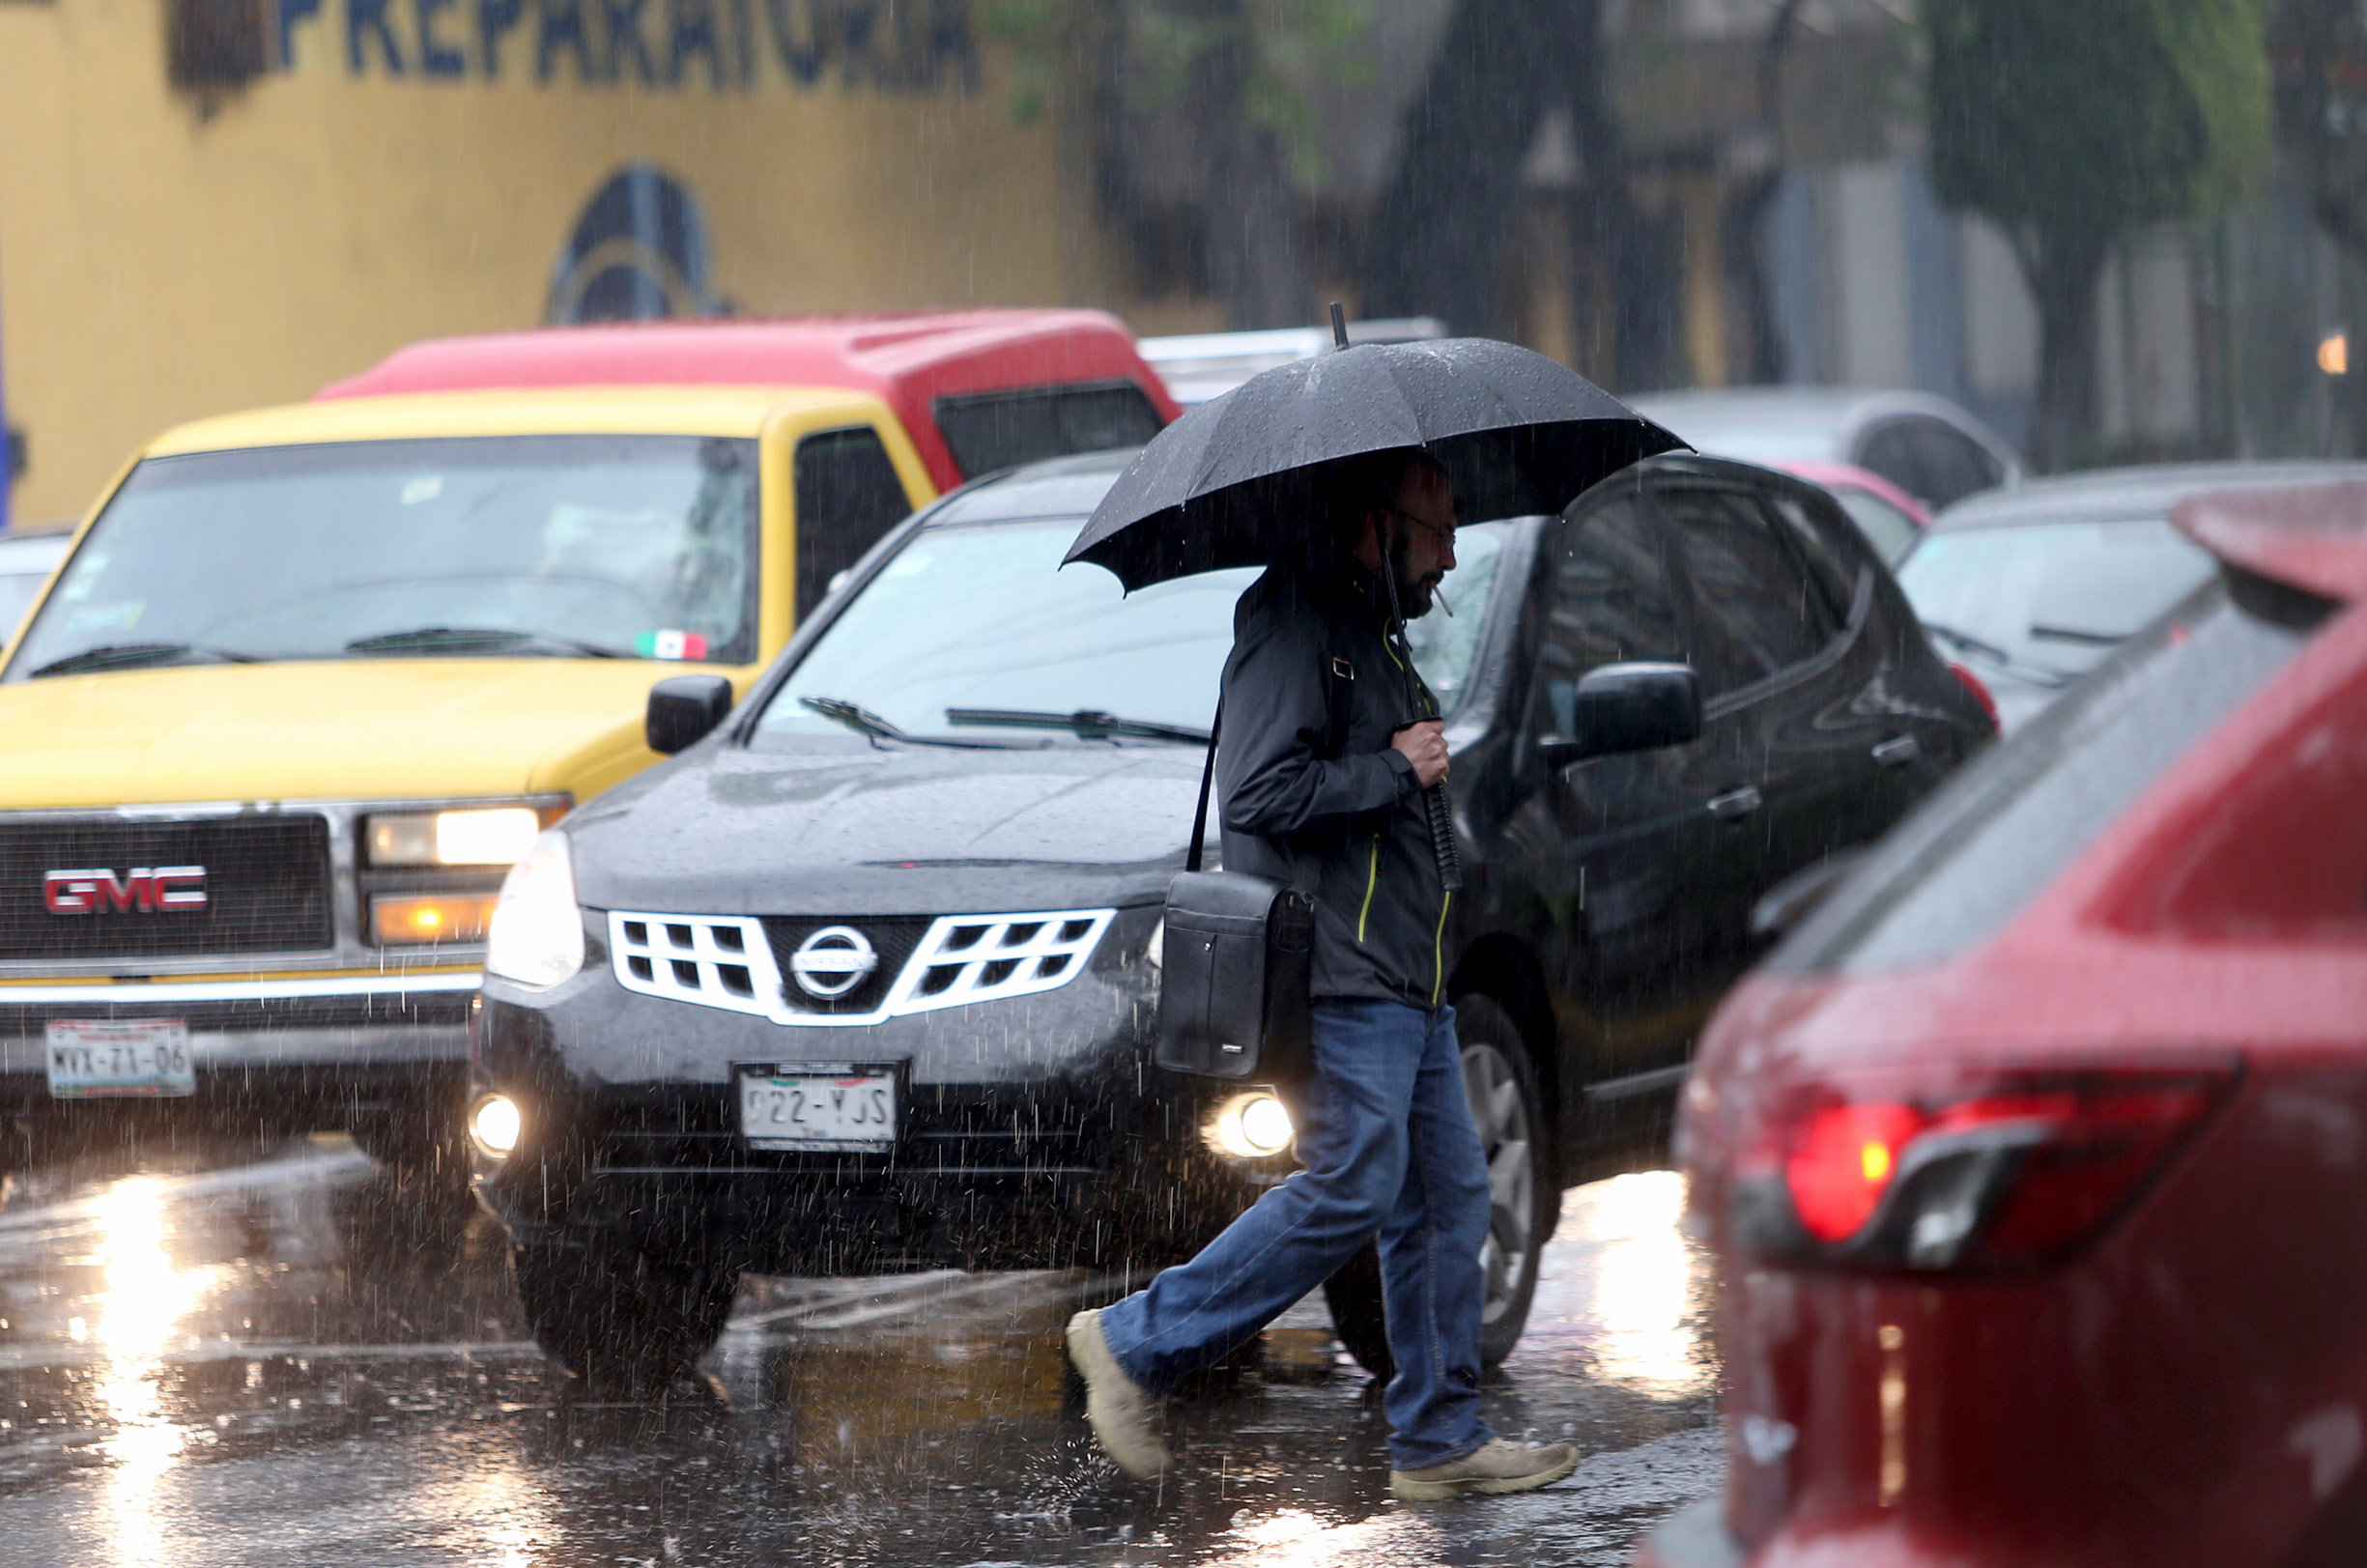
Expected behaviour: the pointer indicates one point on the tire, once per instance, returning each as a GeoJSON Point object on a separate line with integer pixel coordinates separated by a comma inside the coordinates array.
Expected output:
{"type": "Point", "coordinates": [1522, 1200]}
{"type": "Point", "coordinates": [620, 1319]}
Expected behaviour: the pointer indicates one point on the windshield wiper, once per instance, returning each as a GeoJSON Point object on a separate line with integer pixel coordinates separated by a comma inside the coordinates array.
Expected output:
{"type": "Point", "coordinates": [1090, 723]}
{"type": "Point", "coordinates": [2072, 633]}
{"type": "Point", "coordinates": [461, 638]}
{"type": "Point", "coordinates": [871, 726]}
{"type": "Point", "coordinates": [2036, 674]}
{"type": "Point", "coordinates": [115, 655]}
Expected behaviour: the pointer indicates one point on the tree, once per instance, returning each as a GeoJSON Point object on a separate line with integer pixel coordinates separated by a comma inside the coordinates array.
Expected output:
{"type": "Point", "coordinates": [1437, 243]}
{"type": "Point", "coordinates": [2320, 51]}
{"type": "Point", "coordinates": [2071, 123]}
{"type": "Point", "coordinates": [1202, 111]}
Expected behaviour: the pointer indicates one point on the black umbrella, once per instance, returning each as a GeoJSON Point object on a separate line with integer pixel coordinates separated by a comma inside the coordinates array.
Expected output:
{"type": "Point", "coordinates": [1232, 482]}
{"type": "Point", "coordinates": [1241, 480]}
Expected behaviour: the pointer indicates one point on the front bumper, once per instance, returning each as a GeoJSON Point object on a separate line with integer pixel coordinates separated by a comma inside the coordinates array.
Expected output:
{"type": "Point", "coordinates": [290, 1055]}
{"type": "Point", "coordinates": [1036, 1131]}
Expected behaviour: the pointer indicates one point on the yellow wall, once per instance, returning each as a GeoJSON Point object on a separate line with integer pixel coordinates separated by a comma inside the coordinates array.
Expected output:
{"type": "Point", "coordinates": [160, 261]}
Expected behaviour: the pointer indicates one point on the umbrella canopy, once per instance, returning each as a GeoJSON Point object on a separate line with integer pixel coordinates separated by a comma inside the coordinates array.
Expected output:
{"type": "Point", "coordinates": [1238, 478]}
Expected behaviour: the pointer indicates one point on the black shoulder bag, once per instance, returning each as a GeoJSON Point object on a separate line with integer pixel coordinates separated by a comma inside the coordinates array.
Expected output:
{"type": "Point", "coordinates": [1235, 967]}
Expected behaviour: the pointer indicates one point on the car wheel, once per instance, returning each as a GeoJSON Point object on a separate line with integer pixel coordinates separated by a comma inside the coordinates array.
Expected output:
{"type": "Point", "coordinates": [619, 1317]}
{"type": "Point", "coordinates": [1523, 1202]}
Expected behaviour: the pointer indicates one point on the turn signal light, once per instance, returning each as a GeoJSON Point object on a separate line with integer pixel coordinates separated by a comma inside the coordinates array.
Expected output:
{"type": "Point", "coordinates": [494, 1126]}
{"type": "Point", "coordinates": [2014, 1173]}
{"type": "Point", "coordinates": [1252, 1125]}
{"type": "Point", "coordinates": [434, 918]}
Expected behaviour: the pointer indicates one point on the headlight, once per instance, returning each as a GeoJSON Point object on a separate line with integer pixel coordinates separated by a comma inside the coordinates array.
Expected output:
{"type": "Point", "coordinates": [480, 836]}
{"type": "Point", "coordinates": [537, 935]}
{"type": "Point", "coordinates": [494, 1125]}
{"type": "Point", "coordinates": [1252, 1125]}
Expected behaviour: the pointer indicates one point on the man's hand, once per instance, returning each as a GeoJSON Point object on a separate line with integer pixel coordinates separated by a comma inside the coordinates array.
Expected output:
{"type": "Point", "coordinates": [1425, 747]}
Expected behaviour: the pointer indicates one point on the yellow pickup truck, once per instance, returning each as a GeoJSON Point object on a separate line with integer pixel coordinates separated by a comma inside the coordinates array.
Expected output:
{"type": "Point", "coordinates": [312, 677]}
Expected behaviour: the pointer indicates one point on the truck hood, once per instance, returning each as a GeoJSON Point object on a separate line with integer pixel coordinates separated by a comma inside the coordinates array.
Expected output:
{"type": "Point", "coordinates": [395, 728]}
{"type": "Point", "coordinates": [895, 830]}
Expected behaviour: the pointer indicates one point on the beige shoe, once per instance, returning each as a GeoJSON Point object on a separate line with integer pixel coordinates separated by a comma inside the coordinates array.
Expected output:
{"type": "Point", "coordinates": [1494, 1467]}
{"type": "Point", "coordinates": [1124, 1418]}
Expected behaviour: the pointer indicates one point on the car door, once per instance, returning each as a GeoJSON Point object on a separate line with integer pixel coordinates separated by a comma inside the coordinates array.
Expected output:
{"type": "Point", "coordinates": [1611, 845]}
{"type": "Point", "coordinates": [1760, 623]}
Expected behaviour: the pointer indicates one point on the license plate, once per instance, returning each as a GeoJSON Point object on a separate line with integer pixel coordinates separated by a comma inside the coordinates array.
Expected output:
{"type": "Point", "coordinates": [140, 1059]}
{"type": "Point", "coordinates": [810, 1107]}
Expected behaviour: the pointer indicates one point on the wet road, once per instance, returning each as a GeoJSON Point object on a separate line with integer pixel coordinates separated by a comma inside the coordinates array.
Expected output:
{"type": "Point", "coordinates": [281, 1357]}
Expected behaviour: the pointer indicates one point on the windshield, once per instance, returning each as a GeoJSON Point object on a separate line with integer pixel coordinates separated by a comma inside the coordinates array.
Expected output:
{"type": "Point", "coordinates": [630, 546]}
{"type": "Point", "coordinates": [983, 617]}
{"type": "Point", "coordinates": [2049, 601]}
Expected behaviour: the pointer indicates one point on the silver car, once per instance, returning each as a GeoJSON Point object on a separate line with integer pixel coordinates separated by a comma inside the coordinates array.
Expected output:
{"type": "Point", "coordinates": [26, 560]}
{"type": "Point", "coordinates": [2031, 587]}
{"type": "Point", "coordinates": [1926, 446]}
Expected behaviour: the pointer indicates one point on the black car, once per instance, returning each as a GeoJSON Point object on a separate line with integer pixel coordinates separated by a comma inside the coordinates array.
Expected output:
{"type": "Point", "coordinates": [867, 978]}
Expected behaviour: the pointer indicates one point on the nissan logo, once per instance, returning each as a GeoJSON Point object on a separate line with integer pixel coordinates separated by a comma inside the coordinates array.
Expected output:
{"type": "Point", "coordinates": [146, 890]}
{"type": "Point", "coordinates": [833, 961]}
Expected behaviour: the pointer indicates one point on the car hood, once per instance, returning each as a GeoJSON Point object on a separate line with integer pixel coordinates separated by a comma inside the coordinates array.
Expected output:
{"type": "Point", "coordinates": [893, 831]}
{"type": "Point", "coordinates": [398, 728]}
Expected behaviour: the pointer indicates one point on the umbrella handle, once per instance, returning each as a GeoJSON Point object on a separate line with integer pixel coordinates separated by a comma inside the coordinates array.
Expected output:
{"type": "Point", "coordinates": [1443, 839]}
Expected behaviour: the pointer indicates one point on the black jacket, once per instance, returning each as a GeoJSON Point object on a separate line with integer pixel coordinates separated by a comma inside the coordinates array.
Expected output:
{"type": "Point", "coordinates": [1349, 828]}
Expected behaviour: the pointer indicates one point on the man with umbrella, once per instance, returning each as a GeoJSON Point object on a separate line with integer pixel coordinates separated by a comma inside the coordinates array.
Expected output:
{"type": "Point", "coordinates": [1331, 761]}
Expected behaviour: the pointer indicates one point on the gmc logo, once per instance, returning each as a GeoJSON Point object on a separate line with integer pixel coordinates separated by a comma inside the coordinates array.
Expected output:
{"type": "Point", "coordinates": [146, 891]}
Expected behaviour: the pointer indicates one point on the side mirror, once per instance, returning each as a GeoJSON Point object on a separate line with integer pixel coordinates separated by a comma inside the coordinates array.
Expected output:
{"type": "Point", "coordinates": [1629, 707]}
{"type": "Point", "coordinates": [684, 710]}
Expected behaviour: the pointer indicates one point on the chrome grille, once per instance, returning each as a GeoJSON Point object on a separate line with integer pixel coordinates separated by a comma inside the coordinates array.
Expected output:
{"type": "Point", "coordinates": [727, 960]}
{"type": "Point", "coordinates": [266, 884]}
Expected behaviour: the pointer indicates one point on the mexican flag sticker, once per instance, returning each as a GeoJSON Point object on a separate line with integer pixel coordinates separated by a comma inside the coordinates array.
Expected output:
{"type": "Point", "coordinates": [670, 645]}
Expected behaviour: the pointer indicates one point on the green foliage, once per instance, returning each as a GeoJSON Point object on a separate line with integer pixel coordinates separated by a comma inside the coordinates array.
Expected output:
{"type": "Point", "coordinates": [1295, 49]}
{"type": "Point", "coordinates": [2063, 118]}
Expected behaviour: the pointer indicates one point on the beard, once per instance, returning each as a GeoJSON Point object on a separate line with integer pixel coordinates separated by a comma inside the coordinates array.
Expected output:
{"type": "Point", "coordinates": [1414, 595]}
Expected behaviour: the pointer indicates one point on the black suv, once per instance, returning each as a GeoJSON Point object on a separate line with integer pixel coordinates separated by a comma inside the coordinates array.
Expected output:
{"type": "Point", "coordinates": [866, 979]}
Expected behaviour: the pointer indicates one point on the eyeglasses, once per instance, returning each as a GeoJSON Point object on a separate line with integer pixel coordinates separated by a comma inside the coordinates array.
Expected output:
{"type": "Point", "coordinates": [1445, 534]}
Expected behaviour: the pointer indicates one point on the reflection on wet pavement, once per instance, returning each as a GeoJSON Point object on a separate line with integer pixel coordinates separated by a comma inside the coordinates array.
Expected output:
{"type": "Point", "coordinates": [282, 1355]}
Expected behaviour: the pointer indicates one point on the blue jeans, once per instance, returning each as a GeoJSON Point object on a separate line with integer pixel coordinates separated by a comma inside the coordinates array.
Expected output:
{"type": "Point", "coordinates": [1386, 1140]}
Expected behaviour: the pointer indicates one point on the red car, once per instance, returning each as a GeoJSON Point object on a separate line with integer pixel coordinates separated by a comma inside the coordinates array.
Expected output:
{"type": "Point", "coordinates": [2035, 1161]}
{"type": "Point", "coordinates": [1891, 519]}
{"type": "Point", "coordinates": [977, 391]}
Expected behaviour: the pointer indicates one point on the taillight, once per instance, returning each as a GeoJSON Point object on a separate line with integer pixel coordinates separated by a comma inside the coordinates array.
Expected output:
{"type": "Point", "coordinates": [1980, 692]}
{"type": "Point", "coordinates": [2014, 1172]}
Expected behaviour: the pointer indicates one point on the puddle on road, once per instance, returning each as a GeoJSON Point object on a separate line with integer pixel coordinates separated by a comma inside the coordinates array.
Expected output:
{"type": "Point", "coordinates": [292, 1356]}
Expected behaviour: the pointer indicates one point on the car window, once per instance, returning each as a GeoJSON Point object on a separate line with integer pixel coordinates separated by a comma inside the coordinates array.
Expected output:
{"type": "Point", "coordinates": [991, 430]}
{"type": "Point", "coordinates": [1760, 612]}
{"type": "Point", "coordinates": [848, 496]}
{"type": "Point", "coordinates": [1954, 465]}
{"type": "Point", "coordinates": [1890, 531]}
{"type": "Point", "coordinates": [479, 546]}
{"type": "Point", "coordinates": [2008, 822]}
{"type": "Point", "coordinates": [1832, 547]}
{"type": "Point", "coordinates": [1890, 451]}
{"type": "Point", "coordinates": [2049, 601]}
{"type": "Point", "coordinates": [1605, 598]}
{"type": "Point", "coordinates": [984, 617]}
